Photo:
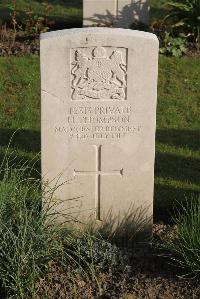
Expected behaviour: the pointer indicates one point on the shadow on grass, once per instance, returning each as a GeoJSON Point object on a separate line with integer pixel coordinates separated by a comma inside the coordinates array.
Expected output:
{"type": "Point", "coordinates": [23, 139]}
{"type": "Point", "coordinates": [168, 200]}
{"type": "Point", "coordinates": [68, 3]}
{"type": "Point", "coordinates": [178, 174]}
{"type": "Point", "coordinates": [24, 147]}
{"type": "Point", "coordinates": [177, 168]}
{"type": "Point", "coordinates": [59, 23]}
{"type": "Point", "coordinates": [179, 138]}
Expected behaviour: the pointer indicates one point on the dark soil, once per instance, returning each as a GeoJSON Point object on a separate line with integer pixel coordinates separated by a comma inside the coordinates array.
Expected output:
{"type": "Point", "coordinates": [145, 276]}
{"type": "Point", "coordinates": [117, 285]}
{"type": "Point", "coordinates": [21, 44]}
{"type": "Point", "coordinates": [193, 50]}
{"type": "Point", "coordinates": [20, 48]}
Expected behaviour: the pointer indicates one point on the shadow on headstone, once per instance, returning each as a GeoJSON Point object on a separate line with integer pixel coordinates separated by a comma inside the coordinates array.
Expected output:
{"type": "Point", "coordinates": [127, 229]}
{"type": "Point", "coordinates": [135, 12]}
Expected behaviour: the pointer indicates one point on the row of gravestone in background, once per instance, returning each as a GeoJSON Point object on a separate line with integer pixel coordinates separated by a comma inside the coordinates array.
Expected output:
{"type": "Point", "coordinates": [115, 13]}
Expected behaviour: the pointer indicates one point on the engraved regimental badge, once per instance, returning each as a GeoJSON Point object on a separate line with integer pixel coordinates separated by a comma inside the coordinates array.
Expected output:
{"type": "Point", "coordinates": [98, 73]}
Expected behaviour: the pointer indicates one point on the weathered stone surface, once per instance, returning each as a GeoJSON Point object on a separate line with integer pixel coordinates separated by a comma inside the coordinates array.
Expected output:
{"type": "Point", "coordinates": [117, 13]}
{"type": "Point", "coordinates": [99, 89]}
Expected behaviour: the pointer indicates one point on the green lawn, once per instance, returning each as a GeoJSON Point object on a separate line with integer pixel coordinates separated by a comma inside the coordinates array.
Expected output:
{"type": "Point", "coordinates": [178, 135]}
{"type": "Point", "coordinates": [178, 138]}
{"type": "Point", "coordinates": [20, 105]}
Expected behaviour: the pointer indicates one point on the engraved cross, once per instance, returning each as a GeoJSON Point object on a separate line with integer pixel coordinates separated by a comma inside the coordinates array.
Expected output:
{"type": "Point", "coordinates": [98, 173]}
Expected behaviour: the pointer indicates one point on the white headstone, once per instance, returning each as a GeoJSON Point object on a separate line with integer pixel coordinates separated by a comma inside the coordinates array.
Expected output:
{"type": "Point", "coordinates": [116, 13]}
{"type": "Point", "coordinates": [99, 88]}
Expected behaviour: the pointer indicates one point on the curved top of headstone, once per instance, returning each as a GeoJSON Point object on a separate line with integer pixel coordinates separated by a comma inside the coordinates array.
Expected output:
{"type": "Point", "coordinates": [97, 30]}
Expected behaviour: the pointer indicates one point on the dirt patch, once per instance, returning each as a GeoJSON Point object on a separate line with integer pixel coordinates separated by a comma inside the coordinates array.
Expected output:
{"type": "Point", "coordinates": [145, 275]}
{"type": "Point", "coordinates": [116, 285]}
{"type": "Point", "coordinates": [193, 50]}
{"type": "Point", "coordinates": [20, 48]}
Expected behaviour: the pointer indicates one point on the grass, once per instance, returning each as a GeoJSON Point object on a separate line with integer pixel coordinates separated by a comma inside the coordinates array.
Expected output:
{"type": "Point", "coordinates": [28, 240]}
{"type": "Point", "coordinates": [183, 241]}
{"type": "Point", "coordinates": [64, 13]}
{"type": "Point", "coordinates": [178, 137]}
{"type": "Point", "coordinates": [177, 140]}
{"type": "Point", "coordinates": [20, 107]}
{"type": "Point", "coordinates": [20, 92]}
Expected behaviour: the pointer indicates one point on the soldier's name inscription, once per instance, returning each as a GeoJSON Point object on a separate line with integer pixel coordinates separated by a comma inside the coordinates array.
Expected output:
{"type": "Point", "coordinates": [99, 114]}
{"type": "Point", "coordinates": [98, 73]}
{"type": "Point", "coordinates": [98, 122]}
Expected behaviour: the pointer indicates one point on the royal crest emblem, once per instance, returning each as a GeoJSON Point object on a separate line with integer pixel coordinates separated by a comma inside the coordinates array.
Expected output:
{"type": "Point", "coordinates": [98, 74]}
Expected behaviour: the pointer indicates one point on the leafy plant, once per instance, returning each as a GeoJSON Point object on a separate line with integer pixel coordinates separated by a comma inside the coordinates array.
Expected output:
{"type": "Point", "coordinates": [13, 16]}
{"type": "Point", "coordinates": [35, 24]}
{"type": "Point", "coordinates": [173, 46]}
{"type": "Point", "coordinates": [183, 242]}
{"type": "Point", "coordinates": [96, 252]}
{"type": "Point", "coordinates": [32, 24]}
{"type": "Point", "coordinates": [185, 15]}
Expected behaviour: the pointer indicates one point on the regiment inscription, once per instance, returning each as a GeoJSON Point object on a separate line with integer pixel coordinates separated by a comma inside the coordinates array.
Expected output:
{"type": "Point", "coordinates": [98, 122]}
